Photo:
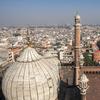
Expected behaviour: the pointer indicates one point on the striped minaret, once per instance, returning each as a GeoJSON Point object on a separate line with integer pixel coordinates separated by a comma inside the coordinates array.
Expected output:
{"type": "Point", "coordinates": [77, 49]}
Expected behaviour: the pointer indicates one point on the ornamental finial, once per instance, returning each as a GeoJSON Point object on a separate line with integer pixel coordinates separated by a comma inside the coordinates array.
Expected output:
{"type": "Point", "coordinates": [83, 86]}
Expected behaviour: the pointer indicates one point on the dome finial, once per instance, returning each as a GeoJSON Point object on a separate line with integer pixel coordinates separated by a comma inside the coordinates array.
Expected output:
{"type": "Point", "coordinates": [29, 42]}
{"type": "Point", "coordinates": [77, 16]}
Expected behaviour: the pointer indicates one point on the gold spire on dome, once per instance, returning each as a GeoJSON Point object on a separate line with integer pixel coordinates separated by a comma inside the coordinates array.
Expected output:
{"type": "Point", "coordinates": [29, 42]}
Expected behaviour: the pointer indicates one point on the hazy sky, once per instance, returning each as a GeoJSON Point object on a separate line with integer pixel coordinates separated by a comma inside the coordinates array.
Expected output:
{"type": "Point", "coordinates": [44, 12]}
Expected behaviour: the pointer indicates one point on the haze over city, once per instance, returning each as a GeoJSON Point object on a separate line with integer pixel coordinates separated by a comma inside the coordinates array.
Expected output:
{"type": "Point", "coordinates": [49, 50]}
{"type": "Point", "coordinates": [47, 12]}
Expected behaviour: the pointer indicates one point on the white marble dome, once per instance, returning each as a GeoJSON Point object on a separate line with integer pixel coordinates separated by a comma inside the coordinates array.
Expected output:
{"type": "Point", "coordinates": [31, 77]}
{"type": "Point", "coordinates": [77, 16]}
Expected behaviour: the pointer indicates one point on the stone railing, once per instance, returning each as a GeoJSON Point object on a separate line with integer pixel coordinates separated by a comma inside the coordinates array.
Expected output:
{"type": "Point", "coordinates": [91, 69]}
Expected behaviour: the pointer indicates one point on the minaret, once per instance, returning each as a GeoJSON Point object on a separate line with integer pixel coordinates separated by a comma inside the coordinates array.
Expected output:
{"type": "Point", "coordinates": [77, 49]}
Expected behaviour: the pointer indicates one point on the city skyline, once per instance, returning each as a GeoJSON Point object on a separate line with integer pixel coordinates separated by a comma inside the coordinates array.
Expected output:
{"type": "Point", "coordinates": [47, 12]}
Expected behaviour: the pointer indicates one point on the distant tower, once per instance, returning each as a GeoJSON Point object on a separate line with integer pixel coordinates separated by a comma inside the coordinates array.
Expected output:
{"type": "Point", "coordinates": [77, 49]}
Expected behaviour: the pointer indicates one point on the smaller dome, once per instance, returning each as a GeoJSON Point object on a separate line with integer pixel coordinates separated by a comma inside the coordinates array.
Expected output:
{"type": "Point", "coordinates": [77, 16]}
{"type": "Point", "coordinates": [83, 78]}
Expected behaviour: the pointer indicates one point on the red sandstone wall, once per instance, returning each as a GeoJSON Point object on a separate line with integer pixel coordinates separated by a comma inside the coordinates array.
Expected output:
{"type": "Point", "coordinates": [94, 89]}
